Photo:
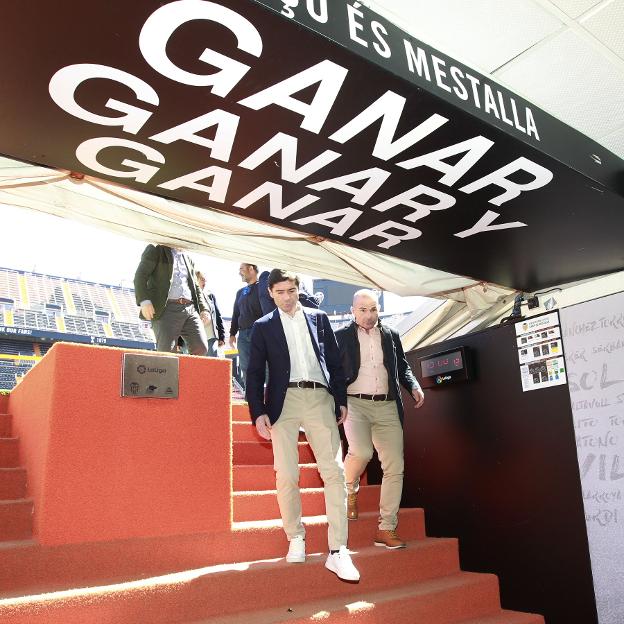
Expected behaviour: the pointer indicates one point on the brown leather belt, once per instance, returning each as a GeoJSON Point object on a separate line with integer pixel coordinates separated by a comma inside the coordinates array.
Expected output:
{"type": "Point", "coordinates": [180, 300]}
{"type": "Point", "coordinates": [371, 397]}
{"type": "Point", "coordinates": [306, 384]}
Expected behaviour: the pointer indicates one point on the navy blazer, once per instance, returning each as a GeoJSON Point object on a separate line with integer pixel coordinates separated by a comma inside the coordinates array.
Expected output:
{"type": "Point", "coordinates": [399, 371]}
{"type": "Point", "coordinates": [269, 346]}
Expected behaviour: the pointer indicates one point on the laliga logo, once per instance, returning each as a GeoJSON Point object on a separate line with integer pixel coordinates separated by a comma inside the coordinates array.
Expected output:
{"type": "Point", "coordinates": [141, 369]}
{"type": "Point", "coordinates": [440, 379]}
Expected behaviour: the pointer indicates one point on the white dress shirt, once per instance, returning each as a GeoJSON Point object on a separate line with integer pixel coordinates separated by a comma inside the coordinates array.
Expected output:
{"type": "Point", "coordinates": [304, 365]}
{"type": "Point", "coordinates": [179, 277]}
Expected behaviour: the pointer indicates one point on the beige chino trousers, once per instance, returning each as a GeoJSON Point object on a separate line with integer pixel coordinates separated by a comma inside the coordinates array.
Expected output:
{"type": "Point", "coordinates": [312, 409]}
{"type": "Point", "coordinates": [376, 424]}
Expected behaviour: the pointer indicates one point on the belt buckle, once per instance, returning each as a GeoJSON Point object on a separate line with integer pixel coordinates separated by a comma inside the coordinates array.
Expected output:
{"type": "Point", "coordinates": [300, 384]}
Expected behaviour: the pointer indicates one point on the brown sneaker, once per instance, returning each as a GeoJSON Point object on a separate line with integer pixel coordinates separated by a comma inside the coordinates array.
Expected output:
{"type": "Point", "coordinates": [389, 539]}
{"type": "Point", "coordinates": [352, 508]}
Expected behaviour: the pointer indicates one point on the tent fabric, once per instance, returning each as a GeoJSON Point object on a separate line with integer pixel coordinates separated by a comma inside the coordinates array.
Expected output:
{"type": "Point", "coordinates": [217, 233]}
{"type": "Point", "coordinates": [464, 305]}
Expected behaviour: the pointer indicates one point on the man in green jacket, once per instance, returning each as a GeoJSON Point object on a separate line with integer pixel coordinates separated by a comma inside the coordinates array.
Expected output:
{"type": "Point", "coordinates": [166, 288]}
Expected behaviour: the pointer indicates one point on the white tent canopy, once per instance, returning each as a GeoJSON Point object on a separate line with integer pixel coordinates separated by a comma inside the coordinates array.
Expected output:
{"type": "Point", "coordinates": [470, 305]}
{"type": "Point", "coordinates": [212, 232]}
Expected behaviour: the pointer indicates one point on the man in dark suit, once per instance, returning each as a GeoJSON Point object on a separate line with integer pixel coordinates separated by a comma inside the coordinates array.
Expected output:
{"type": "Point", "coordinates": [247, 310]}
{"type": "Point", "coordinates": [166, 288]}
{"type": "Point", "coordinates": [374, 364]}
{"type": "Point", "coordinates": [306, 389]}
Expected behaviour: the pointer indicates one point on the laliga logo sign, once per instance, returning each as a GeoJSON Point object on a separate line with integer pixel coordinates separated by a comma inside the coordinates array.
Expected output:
{"type": "Point", "coordinates": [325, 79]}
{"type": "Point", "coordinates": [441, 379]}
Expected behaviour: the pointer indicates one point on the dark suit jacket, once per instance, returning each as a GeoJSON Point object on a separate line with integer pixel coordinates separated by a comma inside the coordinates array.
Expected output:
{"type": "Point", "coordinates": [398, 369]}
{"type": "Point", "coordinates": [268, 345]}
{"type": "Point", "coordinates": [152, 279]}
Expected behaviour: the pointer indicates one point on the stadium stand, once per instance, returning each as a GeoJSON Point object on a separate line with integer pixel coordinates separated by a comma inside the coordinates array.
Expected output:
{"type": "Point", "coordinates": [37, 309]}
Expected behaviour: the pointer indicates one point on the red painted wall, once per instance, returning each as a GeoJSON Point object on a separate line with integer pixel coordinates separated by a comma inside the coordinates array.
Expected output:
{"type": "Point", "coordinates": [103, 467]}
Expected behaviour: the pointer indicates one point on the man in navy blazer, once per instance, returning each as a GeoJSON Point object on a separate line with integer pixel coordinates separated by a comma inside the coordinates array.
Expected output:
{"type": "Point", "coordinates": [306, 388]}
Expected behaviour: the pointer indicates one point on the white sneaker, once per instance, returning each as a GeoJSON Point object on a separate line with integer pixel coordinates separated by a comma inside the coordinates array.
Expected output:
{"type": "Point", "coordinates": [341, 565]}
{"type": "Point", "coordinates": [296, 550]}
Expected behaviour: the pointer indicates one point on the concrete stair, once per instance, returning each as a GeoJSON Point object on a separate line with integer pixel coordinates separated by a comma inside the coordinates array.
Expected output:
{"type": "Point", "coordinates": [262, 505]}
{"type": "Point", "coordinates": [241, 576]}
{"type": "Point", "coordinates": [16, 509]}
{"type": "Point", "coordinates": [9, 452]}
{"type": "Point", "coordinates": [262, 477]}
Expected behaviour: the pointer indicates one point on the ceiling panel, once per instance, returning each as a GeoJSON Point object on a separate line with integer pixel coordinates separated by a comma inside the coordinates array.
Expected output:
{"type": "Point", "coordinates": [615, 142]}
{"type": "Point", "coordinates": [482, 33]}
{"type": "Point", "coordinates": [572, 81]}
{"type": "Point", "coordinates": [574, 8]}
{"type": "Point", "coordinates": [560, 67]}
{"type": "Point", "coordinates": [607, 25]}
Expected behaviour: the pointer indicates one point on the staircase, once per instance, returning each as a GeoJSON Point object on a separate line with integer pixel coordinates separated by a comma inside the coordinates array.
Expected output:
{"type": "Point", "coordinates": [15, 508]}
{"type": "Point", "coordinates": [245, 578]}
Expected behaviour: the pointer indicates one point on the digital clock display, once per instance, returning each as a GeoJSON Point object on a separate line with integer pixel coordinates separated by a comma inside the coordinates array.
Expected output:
{"type": "Point", "coordinates": [445, 363]}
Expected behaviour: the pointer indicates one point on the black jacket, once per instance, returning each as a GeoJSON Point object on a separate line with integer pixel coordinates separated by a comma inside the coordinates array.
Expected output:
{"type": "Point", "coordinates": [399, 371]}
{"type": "Point", "coordinates": [269, 346]}
{"type": "Point", "coordinates": [247, 308]}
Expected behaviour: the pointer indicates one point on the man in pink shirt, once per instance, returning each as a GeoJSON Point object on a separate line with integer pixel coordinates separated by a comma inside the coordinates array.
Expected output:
{"type": "Point", "coordinates": [374, 365]}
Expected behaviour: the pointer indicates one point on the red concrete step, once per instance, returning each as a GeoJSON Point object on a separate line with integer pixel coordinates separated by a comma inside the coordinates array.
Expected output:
{"type": "Point", "coordinates": [507, 617]}
{"type": "Point", "coordinates": [5, 425]}
{"type": "Point", "coordinates": [9, 452]}
{"type": "Point", "coordinates": [436, 601]}
{"type": "Point", "coordinates": [12, 483]}
{"type": "Point", "coordinates": [361, 532]}
{"type": "Point", "coordinates": [263, 505]}
{"type": "Point", "coordinates": [26, 567]}
{"type": "Point", "coordinates": [246, 432]}
{"type": "Point", "coordinates": [240, 412]}
{"type": "Point", "coordinates": [262, 453]}
{"type": "Point", "coordinates": [15, 519]}
{"type": "Point", "coordinates": [4, 403]}
{"type": "Point", "coordinates": [227, 589]}
{"type": "Point", "coordinates": [262, 477]}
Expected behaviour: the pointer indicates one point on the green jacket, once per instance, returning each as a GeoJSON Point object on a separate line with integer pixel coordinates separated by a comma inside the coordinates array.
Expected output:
{"type": "Point", "coordinates": [152, 279]}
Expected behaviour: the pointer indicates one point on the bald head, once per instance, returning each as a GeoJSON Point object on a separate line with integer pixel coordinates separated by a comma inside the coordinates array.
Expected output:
{"type": "Point", "coordinates": [365, 308]}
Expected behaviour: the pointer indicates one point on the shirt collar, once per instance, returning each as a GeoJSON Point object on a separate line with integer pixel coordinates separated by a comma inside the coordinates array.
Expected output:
{"type": "Point", "coordinates": [373, 330]}
{"type": "Point", "coordinates": [298, 309]}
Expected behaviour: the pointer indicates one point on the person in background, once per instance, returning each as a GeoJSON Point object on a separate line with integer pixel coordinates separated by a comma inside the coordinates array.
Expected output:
{"type": "Point", "coordinates": [166, 289]}
{"type": "Point", "coordinates": [374, 364]}
{"type": "Point", "coordinates": [306, 388]}
{"type": "Point", "coordinates": [247, 309]}
{"type": "Point", "coordinates": [213, 323]}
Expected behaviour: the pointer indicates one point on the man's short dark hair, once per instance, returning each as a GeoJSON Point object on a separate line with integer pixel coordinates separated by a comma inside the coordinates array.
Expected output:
{"type": "Point", "coordinates": [253, 266]}
{"type": "Point", "coordinates": [281, 275]}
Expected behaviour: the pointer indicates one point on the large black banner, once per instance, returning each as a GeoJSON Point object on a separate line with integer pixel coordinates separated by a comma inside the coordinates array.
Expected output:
{"type": "Point", "coordinates": [318, 116]}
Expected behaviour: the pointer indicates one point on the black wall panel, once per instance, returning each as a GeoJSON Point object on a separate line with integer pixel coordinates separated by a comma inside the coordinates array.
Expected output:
{"type": "Point", "coordinates": [497, 468]}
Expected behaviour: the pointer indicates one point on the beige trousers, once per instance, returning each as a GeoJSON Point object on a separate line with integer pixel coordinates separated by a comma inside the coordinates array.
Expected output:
{"type": "Point", "coordinates": [376, 424]}
{"type": "Point", "coordinates": [312, 409]}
